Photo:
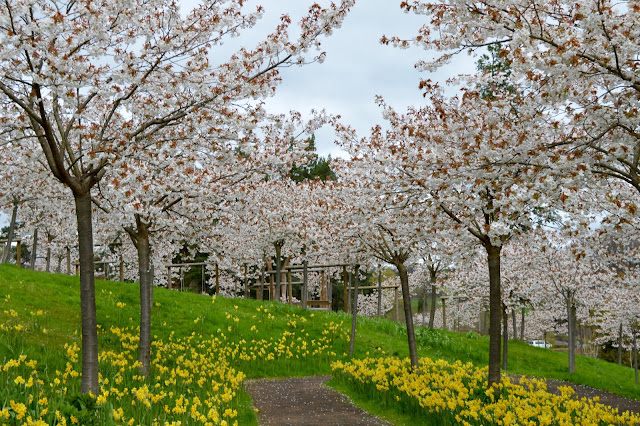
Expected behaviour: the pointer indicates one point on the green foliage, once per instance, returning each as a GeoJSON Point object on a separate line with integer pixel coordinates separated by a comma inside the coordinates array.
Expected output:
{"type": "Point", "coordinates": [498, 68]}
{"type": "Point", "coordinates": [317, 167]}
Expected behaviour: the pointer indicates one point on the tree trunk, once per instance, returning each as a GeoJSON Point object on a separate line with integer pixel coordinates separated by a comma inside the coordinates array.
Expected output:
{"type": "Point", "coordinates": [505, 338]}
{"type": "Point", "coordinates": [246, 282]}
{"type": "Point", "coordinates": [380, 292]}
{"type": "Point", "coordinates": [348, 301]}
{"type": "Point", "coordinates": [515, 323]}
{"type": "Point", "coordinates": [68, 261]}
{"type": "Point", "coordinates": [620, 345]}
{"type": "Point", "coordinates": [10, 235]}
{"type": "Point", "coordinates": [571, 313]}
{"type": "Point", "coordinates": [140, 238]}
{"type": "Point", "coordinates": [34, 249]}
{"type": "Point", "coordinates": [278, 247]}
{"type": "Point", "coordinates": [432, 307]}
{"type": "Point", "coordinates": [495, 313]}
{"type": "Point", "coordinates": [305, 284]}
{"type": "Point", "coordinates": [87, 294]}
{"type": "Point", "coordinates": [354, 309]}
{"type": "Point", "coordinates": [444, 312]}
{"type": "Point", "coordinates": [522, 324]}
{"type": "Point", "coordinates": [635, 355]}
{"type": "Point", "coordinates": [48, 267]}
{"type": "Point", "coordinates": [406, 299]}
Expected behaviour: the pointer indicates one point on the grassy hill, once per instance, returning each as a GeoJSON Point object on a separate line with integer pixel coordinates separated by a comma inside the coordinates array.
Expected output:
{"type": "Point", "coordinates": [203, 349]}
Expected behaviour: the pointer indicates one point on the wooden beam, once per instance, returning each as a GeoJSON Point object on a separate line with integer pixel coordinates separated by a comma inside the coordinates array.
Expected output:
{"type": "Point", "coordinates": [371, 287]}
{"type": "Point", "coordinates": [330, 265]}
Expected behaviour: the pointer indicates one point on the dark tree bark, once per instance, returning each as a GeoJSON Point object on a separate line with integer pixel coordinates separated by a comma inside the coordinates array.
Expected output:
{"type": "Point", "coordinates": [515, 323]}
{"type": "Point", "coordinates": [380, 292]}
{"type": "Point", "coordinates": [443, 301]}
{"type": "Point", "coordinates": [522, 324]}
{"type": "Point", "coordinates": [406, 299]}
{"type": "Point", "coordinates": [432, 308]}
{"type": "Point", "coordinates": [34, 249]}
{"type": "Point", "coordinates": [505, 338]}
{"type": "Point", "coordinates": [635, 355]}
{"type": "Point", "coordinates": [140, 238]}
{"type": "Point", "coordinates": [48, 267]}
{"type": "Point", "coordinates": [279, 286]}
{"type": "Point", "coordinates": [87, 294]}
{"type": "Point", "coordinates": [495, 312]}
{"type": "Point", "coordinates": [571, 325]}
{"type": "Point", "coordinates": [354, 309]}
{"type": "Point", "coordinates": [10, 234]}
{"type": "Point", "coordinates": [620, 345]}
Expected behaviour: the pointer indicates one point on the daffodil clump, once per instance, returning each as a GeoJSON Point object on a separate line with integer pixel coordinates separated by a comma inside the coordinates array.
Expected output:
{"type": "Point", "coordinates": [191, 382]}
{"type": "Point", "coordinates": [194, 379]}
{"type": "Point", "coordinates": [456, 393]}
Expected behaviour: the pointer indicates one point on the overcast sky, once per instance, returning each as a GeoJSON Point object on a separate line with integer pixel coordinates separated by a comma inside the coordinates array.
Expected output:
{"type": "Point", "coordinates": [356, 69]}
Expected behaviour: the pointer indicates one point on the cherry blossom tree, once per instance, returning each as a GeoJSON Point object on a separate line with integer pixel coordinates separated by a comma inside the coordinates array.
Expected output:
{"type": "Point", "coordinates": [579, 58]}
{"type": "Point", "coordinates": [474, 166]}
{"type": "Point", "coordinates": [93, 82]}
{"type": "Point", "coordinates": [19, 180]}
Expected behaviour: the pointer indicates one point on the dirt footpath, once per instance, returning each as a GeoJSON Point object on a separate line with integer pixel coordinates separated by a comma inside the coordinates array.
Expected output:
{"type": "Point", "coordinates": [304, 401]}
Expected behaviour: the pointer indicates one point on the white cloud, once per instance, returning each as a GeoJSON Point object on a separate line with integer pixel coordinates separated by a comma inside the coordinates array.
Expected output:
{"type": "Point", "coordinates": [356, 69]}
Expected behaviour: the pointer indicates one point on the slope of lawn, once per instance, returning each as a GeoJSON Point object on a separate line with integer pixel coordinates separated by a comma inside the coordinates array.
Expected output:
{"type": "Point", "coordinates": [204, 348]}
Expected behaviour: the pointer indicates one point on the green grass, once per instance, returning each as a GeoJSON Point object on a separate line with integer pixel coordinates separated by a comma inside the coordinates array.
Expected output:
{"type": "Point", "coordinates": [185, 314]}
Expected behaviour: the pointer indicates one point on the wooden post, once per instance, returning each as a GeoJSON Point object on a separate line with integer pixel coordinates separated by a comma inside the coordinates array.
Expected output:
{"type": "Point", "coordinates": [121, 269]}
{"type": "Point", "coordinates": [345, 286]}
{"type": "Point", "coordinates": [106, 271]}
{"type": "Point", "coordinates": [181, 279]}
{"type": "Point", "coordinates": [380, 292]}
{"type": "Point", "coordinates": [169, 280]}
{"type": "Point", "coordinates": [395, 302]}
{"type": "Point", "coordinates": [305, 284]}
{"type": "Point", "coordinates": [18, 252]}
{"type": "Point", "coordinates": [217, 279]}
{"type": "Point", "coordinates": [290, 283]}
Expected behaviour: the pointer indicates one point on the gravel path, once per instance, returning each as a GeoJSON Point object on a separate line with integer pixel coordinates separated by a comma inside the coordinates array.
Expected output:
{"type": "Point", "coordinates": [305, 401]}
{"type": "Point", "coordinates": [607, 398]}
